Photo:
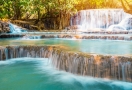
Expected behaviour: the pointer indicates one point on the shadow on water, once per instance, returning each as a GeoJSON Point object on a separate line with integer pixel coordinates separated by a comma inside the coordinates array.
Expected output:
{"type": "Point", "coordinates": [38, 74]}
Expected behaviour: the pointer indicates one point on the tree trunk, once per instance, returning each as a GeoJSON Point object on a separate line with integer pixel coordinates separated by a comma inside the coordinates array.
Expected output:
{"type": "Point", "coordinates": [8, 9]}
{"type": "Point", "coordinates": [9, 15]}
{"type": "Point", "coordinates": [17, 10]}
{"type": "Point", "coordinates": [38, 14]}
{"type": "Point", "coordinates": [18, 13]}
{"type": "Point", "coordinates": [60, 21]}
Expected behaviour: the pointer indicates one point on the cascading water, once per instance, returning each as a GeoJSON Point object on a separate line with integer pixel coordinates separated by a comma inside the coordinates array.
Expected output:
{"type": "Point", "coordinates": [15, 29]}
{"type": "Point", "coordinates": [24, 72]}
{"type": "Point", "coordinates": [10, 52]}
{"type": "Point", "coordinates": [98, 18]}
{"type": "Point", "coordinates": [38, 74]}
{"type": "Point", "coordinates": [125, 24]}
{"type": "Point", "coordinates": [114, 67]}
{"type": "Point", "coordinates": [31, 37]}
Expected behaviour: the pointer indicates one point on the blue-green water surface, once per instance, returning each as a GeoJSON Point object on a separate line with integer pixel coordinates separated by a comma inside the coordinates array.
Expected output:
{"type": "Point", "coordinates": [38, 74]}
{"type": "Point", "coordinates": [89, 46]}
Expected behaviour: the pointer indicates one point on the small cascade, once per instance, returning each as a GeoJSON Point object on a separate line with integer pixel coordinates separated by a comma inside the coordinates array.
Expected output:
{"type": "Point", "coordinates": [125, 24]}
{"type": "Point", "coordinates": [98, 18]}
{"type": "Point", "coordinates": [16, 29]}
{"type": "Point", "coordinates": [10, 52]}
{"type": "Point", "coordinates": [112, 67]}
{"type": "Point", "coordinates": [31, 37]}
{"type": "Point", "coordinates": [103, 36]}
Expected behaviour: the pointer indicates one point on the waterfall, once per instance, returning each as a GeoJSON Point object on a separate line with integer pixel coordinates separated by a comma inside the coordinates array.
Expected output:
{"type": "Point", "coordinates": [10, 52]}
{"type": "Point", "coordinates": [15, 29]}
{"type": "Point", "coordinates": [112, 67]}
{"type": "Point", "coordinates": [99, 18]}
{"type": "Point", "coordinates": [31, 37]}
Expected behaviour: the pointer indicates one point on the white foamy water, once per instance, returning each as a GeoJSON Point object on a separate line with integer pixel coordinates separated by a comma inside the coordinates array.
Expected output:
{"type": "Point", "coordinates": [38, 74]}
{"type": "Point", "coordinates": [16, 29]}
{"type": "Point", "coordinates": [101, 19]}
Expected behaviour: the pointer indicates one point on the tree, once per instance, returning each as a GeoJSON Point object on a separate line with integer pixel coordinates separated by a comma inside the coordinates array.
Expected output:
{"type": "Point", "coordinates": [127, 6]}
{"type": "Point", "coordinates": [54, 13]}
{"type": "Point", "coordinates": [5, 8]}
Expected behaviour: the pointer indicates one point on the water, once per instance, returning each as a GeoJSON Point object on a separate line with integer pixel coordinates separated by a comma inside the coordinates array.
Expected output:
{"type": "Point", "coordinates": [38, 74]}
{"type": "Point", "coordinates": [100, 19]}
{"type": "Point", "coordinates": [15, 29]}
{"type": "Point", "coordinates": [89, 46]}
{"type": "Point", "coordinates": [125, 24]}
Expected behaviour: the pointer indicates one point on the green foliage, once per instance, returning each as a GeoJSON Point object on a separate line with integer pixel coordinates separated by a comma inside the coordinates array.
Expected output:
{"type": "Point", "coordinates": [18, 8]}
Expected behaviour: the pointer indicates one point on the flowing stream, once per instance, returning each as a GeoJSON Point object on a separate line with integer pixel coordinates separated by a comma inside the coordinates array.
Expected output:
{"type": "Point", "coordinates": [101, 19]}
{"type": "Point", "coordinates": [27, 67]}
{"type": "Point", "coordinates": [38, 74]}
